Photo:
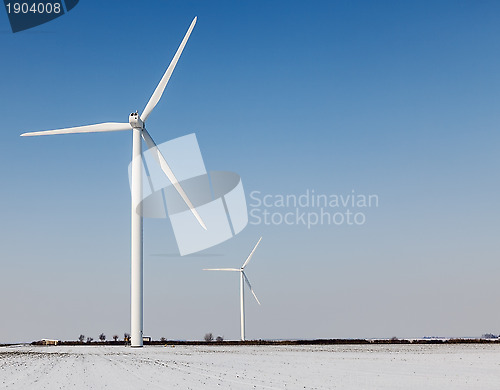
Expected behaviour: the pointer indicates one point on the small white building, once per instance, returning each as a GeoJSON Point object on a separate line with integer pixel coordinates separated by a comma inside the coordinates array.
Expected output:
{"type": "Point", "coordinates": [49, 342]}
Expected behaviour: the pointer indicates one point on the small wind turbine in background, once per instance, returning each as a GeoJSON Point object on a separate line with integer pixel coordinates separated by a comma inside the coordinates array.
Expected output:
{"type": "Point", "coordinates": [244, 278]}
{"type": "Point", "coordinates": [136, 123]}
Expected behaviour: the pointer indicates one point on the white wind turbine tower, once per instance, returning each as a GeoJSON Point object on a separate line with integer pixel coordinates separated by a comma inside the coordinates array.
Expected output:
{"type": "Point", "coordinates": [242, 287]}
{"type": "Point", "coordinates": [136, 123]}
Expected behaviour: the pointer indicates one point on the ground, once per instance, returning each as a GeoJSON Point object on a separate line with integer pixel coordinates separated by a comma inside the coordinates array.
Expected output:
{"type": "Point", "coordinates": [475, 366]}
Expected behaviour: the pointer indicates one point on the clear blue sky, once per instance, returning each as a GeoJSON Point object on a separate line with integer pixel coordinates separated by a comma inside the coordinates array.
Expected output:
{"type": "Point", "coordinates": [397, 99]}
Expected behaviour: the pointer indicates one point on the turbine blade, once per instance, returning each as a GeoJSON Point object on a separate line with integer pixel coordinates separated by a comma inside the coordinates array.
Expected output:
{"type": "Point", "coordinates": [251, 254]}
{"type": "Point", "coordinates": [98, 128]}
{"type": "Point", "coordinates": [250, 287]}
{"type": "Point", "coordinates": [155, 98]}
{"type": "Point", "coordinates": [220, 269]}
{"type": "Point", "coordinates": [168, 171]}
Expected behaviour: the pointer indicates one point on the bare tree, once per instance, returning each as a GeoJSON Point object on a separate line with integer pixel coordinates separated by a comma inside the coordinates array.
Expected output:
{"type": "Point", "coordinates": [209, 337]}
{"type": "Point", "coordinates": [81, 339]}
{"type": "Point", "coordinates": [219, 339]}
{"type": "Point", "coordinates": [102, 337]}
{"type": "Point", "coordinates": [89, 339]}
{"type": "Point", "coordinates": [115, 337]}
{"type": "Point", "coordinates": [163, 340]}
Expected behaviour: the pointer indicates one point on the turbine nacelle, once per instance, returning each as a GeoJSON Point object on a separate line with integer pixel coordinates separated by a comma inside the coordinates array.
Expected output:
{"type": "Point", "coordinates": [135, 121]}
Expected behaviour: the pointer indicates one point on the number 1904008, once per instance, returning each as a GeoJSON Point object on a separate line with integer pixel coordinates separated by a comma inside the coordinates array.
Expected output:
{"type": "Point", "coordinates": [35, 8]}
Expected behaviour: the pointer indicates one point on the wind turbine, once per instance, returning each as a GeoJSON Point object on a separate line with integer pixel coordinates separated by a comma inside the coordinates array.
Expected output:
{"type": "Point", "coordinates": [136, 123]}
{"type": "Point", "coordinates": [242, 287]}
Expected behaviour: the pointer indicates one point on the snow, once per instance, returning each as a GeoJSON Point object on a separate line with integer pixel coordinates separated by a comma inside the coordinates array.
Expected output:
{"type": "Point", "coordinates": [462, 366]}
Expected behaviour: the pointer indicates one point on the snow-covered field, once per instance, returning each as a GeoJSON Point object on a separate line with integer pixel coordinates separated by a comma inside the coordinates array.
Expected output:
{"type": "Point", "coordinates": [252, 367]}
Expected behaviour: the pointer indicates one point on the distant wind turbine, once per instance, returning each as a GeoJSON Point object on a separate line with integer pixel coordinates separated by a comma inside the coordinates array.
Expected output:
{"type": "Point", "coordinates": [242, 287]}
{"type": "Point", "coordinates": [136, 123]}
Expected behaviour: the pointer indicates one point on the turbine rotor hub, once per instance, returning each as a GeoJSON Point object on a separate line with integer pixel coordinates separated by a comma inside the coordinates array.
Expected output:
{"type": "Point", "coordinates": [135, 121]}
